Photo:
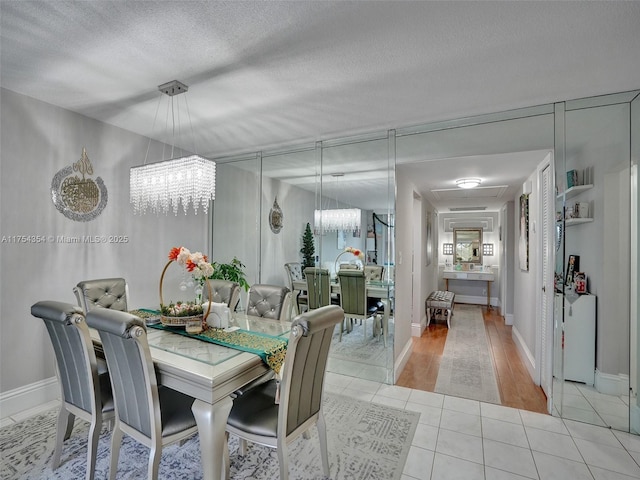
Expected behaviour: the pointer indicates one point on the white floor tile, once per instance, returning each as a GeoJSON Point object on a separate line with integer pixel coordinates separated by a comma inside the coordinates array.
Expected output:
{"type": "Point", "coordinates": [459, 445]}
{"type": "Point", "coordinates": [426, 398]}
{"type": "Point", "coordinates": [461, 405]}
{"type": "Point", "coordinates": [491, 473]}
{"type": "Point", "coordinates": [602, 474]}
{"type": "Point", "coordinates": [428, 415]}
{"type": "Point", "coordinates": [499, 412]}
{"type": "Point", "coordinates": [543, 421]}
{"type": "Point", "coordinates": [393, 391]}
{"type": "Point", "coordinates": [510, 458]}
{"type": "Point", "coordinates": [609, 458]}
{"type": "Point", "coordinates": [357, 394]}
{"type": "Point", "coordinates": [553, 443]}
{"type": "Point", "coordinates": [575, 401]}
{"type": "Point", "coordinates": [629, 441]}
{"type": "Point", "coordinates": [364, 385]}
{"type": "Point", "coordinates": [419, 463]}
{"type": "Point", "coordinates": [504, 432]}
{"type": "Point", "coordinates": [616, 422]}
{"type": "Point", "coordinates": [556, 468]}
{"type": "Point", "coordinates": [452, 468]}
{"type": "Point", "coordinates": [592, 433]}
{"type": "Point", "coordinates": [461, 422]}
{"type": "Point", "coordinates": [391, 402]}
{"type": "Point", "coordinates": [426, 436]}
{"type": "Point", "coordinates": [585, 416]}
{"type": "Point", "coordinates": [337, 379]}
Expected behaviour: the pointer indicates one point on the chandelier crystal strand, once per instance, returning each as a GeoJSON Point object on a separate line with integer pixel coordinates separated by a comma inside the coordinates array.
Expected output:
{"type": "Point", "coordinates": [332, 220]}
{"type": "Point", "coordinates": [163, 186]}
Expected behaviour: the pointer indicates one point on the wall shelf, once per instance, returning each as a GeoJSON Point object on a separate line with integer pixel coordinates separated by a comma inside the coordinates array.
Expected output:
{"type": "Point", "coordinates": [576, 221]}
{"type": "Point", "coordinates": [573, 191]}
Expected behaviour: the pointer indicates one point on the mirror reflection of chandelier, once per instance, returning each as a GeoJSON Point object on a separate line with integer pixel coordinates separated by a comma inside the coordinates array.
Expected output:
{"type": "Point", "coordinates": [332, 220]}
{"type": "Point", "coordinates": [188, 180]}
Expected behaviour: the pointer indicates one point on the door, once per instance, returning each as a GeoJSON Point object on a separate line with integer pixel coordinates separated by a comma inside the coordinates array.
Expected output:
{"type": "Point", "coordinates": [546, 299]}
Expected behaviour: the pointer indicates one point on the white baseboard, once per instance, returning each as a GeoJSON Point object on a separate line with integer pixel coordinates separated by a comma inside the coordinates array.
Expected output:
{"type": "Point", "coordinates": [402, 359]}
{"type": "Point", "coordinates": [475, 300]}
{"type": "Point", "coordinates": [612, 384]}
{"type": "Point", "coordinates": [417, 329]}
{"type": "Point", "coordinates": [28, 396]}
{"type": "Point", "coordinates": [525, 355]}
{"type": "Point", "coordinates": [508, 319]}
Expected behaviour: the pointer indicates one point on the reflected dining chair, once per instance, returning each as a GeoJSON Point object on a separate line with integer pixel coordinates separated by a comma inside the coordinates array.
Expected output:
{"type": "Point", "coordinates": [353, 299]}
{"type": "Point", "coordinates": [294, 273]}
{"type": "Point", "coordinates": [85, 392]}
{"type": "Point", "coordinates": [224, 291]}
{"type": "Point", "coordinates": [269, 301]}
{"type": "Point", "coordinates": [257, 417]}
{"type": "Point", "coordinates": [152, 414]}
{"type": "Point", "coordinates": [103, 292]}
{"type": "Point", "coordinates": [319, 288]}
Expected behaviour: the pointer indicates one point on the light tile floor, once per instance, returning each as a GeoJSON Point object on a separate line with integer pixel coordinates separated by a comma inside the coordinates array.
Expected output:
{"type": "Point", "coordinates": [584, 403]}
{"type": "Point", "coordinates": [464, 439]}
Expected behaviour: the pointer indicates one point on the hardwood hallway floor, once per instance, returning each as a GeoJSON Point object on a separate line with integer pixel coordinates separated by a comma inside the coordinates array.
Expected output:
{"type": "Point", "coordinates": [514, 383]}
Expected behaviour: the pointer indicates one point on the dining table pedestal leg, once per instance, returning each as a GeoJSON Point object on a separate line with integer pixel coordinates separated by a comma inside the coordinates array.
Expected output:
{"type": "Point", "coordinates": [212, 423]}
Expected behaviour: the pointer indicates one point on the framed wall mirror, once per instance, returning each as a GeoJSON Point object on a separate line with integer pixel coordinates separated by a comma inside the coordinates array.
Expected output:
{"type": "Point", "coordinates": [467, 245]}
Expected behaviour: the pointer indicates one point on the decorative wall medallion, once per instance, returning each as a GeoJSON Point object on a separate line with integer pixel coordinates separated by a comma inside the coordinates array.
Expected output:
{"type": "Point", "coordinates": [275, 217]}
{"type": "Point", "coordinates": [79, 199]}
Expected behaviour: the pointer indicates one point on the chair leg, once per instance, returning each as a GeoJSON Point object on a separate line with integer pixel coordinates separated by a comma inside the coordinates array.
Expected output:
{"type": "Point", "coordinates": [116, 440]}
{"type": "Point", "coordinates": [242, 447]}
{"type": "Point", "coordinates": [154, 461]}
{"type": "Point", "coordinates": [63, 431]}
{"type": "Point", "coordinates": [283, 460]}
{"type": "Point", "coordinates": [92, 447]}
{"type": "Point", "coordinates": [322, 436]}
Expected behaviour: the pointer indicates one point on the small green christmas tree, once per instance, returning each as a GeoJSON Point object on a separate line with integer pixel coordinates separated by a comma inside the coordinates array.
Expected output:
{"type": "Point", "coordinates": [308, 249]}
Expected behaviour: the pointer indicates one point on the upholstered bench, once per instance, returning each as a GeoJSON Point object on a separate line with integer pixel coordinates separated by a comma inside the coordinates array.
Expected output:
{"type": "Point", "coordinates": [439, 300]}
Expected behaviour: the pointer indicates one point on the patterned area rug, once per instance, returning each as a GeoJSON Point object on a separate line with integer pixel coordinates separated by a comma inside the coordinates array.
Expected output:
{"type": "Point", "coordinates": [366, 441]}
{"type": "Point", "coordinates": [355, 347]}
{"type": "Point", "coordinates": [466, 368]}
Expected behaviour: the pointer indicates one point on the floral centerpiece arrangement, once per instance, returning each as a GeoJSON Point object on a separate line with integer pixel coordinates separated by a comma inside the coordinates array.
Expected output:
{"type": "Point", "coordinates": [359, 254]}
{"type": "Point", "coordinates": [198, 265]}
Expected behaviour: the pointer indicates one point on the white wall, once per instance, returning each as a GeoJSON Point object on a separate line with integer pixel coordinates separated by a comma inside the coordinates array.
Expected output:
{"type": "Point", "coordinates": [525, 281]}
{"type": "Point", "coordinates": [36, 141]}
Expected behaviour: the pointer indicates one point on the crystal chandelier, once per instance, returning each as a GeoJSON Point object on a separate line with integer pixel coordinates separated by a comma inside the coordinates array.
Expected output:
{"type": "Point", "coordinates": [347, 219]}
{"type": "Point", "coordinates": [332, 220]}
{"type": "Point", "coordinates": [162, 186]}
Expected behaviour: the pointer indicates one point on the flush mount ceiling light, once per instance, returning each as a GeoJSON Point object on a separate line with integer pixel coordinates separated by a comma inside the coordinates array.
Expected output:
{"type": "Point", "coordinates": [468, 182]}
{"type": "Point", "coordinates": [188, 180]}
{"type": "Point", "coordinates": [331, 220]}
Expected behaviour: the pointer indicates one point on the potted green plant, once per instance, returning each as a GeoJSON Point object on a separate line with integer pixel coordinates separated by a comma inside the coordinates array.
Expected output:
{"type": "Point", "coordinates": [232, 271]}
{"type": "Point", "coordinates": [308, 249]}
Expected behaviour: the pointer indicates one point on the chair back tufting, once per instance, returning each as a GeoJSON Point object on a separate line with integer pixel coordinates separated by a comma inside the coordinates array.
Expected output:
{"type": "Point", "coordinates": [104, 292]}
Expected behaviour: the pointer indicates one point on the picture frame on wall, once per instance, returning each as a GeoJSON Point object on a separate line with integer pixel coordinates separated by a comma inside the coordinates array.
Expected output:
{"type": "Point", "coordinates": [523, 241]}
{"type": "Point", "coordinates": [573, 266]}
{"type": "Point", "coordinates": [429, 242]}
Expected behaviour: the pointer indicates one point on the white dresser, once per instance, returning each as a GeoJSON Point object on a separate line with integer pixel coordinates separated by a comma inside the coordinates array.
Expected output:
{"type": "Point", "coordinates": [579, 337]}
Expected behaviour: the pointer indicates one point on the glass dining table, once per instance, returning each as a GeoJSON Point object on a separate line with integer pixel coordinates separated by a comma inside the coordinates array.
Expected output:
{"type": "Point", "coordinates": [210, 373]}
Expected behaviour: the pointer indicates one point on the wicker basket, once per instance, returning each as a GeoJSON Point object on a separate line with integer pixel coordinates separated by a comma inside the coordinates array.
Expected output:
{"type": "Point", "coordinates": [181, 321]}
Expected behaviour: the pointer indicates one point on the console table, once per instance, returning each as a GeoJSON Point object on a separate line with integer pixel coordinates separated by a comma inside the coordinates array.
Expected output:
{"type": "Point", "coordinates": [470, 275]}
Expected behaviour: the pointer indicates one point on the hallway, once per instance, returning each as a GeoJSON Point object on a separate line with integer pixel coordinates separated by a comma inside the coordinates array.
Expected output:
{"type": "Point", "coordinates": [516, 388]}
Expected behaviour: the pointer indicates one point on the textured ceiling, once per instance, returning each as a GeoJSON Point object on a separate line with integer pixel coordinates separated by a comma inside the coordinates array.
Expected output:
{"type": "Point", "coordinates": [265, 74]}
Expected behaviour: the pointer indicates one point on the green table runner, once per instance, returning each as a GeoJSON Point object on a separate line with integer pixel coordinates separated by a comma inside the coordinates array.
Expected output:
{"type": "Point", "coordinates": [270, 349]}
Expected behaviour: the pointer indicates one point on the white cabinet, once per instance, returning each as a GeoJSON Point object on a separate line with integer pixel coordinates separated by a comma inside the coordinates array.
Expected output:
{"type": "Point", "coordinates": [579, 337]}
